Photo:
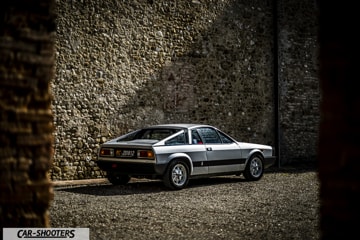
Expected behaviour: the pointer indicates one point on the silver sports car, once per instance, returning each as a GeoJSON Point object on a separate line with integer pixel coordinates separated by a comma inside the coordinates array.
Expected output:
{"type": "Point", "coordinates": [176, 153]}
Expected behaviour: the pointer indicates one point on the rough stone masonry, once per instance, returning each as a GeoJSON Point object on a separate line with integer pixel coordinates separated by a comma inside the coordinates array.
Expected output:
{"type": "Point", "coordinates": [126, 64]}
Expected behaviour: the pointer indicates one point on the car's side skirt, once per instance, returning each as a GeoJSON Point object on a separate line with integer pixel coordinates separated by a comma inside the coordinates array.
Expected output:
{"type": "Point", "coordinates": [218, 166]}
{"type": "Point", "coordinates": [226, 168]}
{"type": "Point", "coordinates": [237, 173]}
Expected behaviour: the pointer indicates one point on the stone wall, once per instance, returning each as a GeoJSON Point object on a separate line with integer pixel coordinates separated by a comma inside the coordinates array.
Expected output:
{"type": "Point", "coordinates": [127, 64]}
{"type": "Point", "coordinates": [299, 94]}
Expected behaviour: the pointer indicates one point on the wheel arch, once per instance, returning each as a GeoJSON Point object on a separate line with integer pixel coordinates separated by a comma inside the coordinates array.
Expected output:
{"type": "Point", "coordinates": [254, 170]}
{"type": "Point", "coordinates": [252, 153]}
{"type": "Point", "coordinates": [183, 157]}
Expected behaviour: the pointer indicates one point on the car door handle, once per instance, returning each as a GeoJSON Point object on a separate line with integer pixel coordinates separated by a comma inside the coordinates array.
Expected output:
{"type": "Point", "coordinates": [208, 149]}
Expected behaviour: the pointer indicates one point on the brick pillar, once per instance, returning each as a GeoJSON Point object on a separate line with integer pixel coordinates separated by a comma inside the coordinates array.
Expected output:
{"type": "Point", "coordinates": [339, 149]}
{"type": "Point", "coordinates": [26, 122]}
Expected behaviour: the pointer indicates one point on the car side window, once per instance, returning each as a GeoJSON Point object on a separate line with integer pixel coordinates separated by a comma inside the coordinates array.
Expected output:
{"type": "Point", "coordinates": [224, 138]}
{"type": "Point", "coordinates": [209, 135]}
{"type": "Point", "coordinates": [178, 140]}
{"type": "Point", "coordinates": [195, 137]}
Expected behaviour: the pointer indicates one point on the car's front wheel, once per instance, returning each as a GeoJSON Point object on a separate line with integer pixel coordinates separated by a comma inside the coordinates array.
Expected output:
{"type": "Point", "coordinates": [254, 169]}
{"type": "Point", "coordinates": [118, 179]}
{"type": "Point", "coordinates": [177, 175]}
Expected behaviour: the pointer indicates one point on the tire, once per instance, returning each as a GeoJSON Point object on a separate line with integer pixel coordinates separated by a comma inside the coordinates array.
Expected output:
{"type": "Point", "coordinates": [118, 179]}
{"type": "Point", "coordinates": [254, 169]}
{"type": "Point", "coordinates": [177, 175]}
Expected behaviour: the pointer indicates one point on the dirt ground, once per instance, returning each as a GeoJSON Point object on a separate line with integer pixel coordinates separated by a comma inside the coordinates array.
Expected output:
{"type": "Point", "coordinates": [282, 205]}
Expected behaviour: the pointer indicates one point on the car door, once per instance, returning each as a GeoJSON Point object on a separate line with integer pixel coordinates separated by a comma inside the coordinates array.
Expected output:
{"type": "Point", "coordinates": [198, 154]}
{"type": "Point", "coordinates": [181, 144]}
{"type": "Point", "coordinates": [223, 154]}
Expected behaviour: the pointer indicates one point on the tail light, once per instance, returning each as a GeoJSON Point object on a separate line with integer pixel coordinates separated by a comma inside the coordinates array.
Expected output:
{"type": "Point", "coordinates": [145, 154]}
{"type": "Point", "coordinates": [108, 152]}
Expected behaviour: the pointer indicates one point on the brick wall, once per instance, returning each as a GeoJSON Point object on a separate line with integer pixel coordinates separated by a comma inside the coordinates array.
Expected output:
{"type": "Point", "coordinates": [26, 120]}
{"type": "Point", "coordinates": [299, 94]}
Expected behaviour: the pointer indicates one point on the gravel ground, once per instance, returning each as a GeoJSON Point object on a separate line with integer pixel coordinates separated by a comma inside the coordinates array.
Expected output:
{"type": "Point", "coordinates": [282, 205]}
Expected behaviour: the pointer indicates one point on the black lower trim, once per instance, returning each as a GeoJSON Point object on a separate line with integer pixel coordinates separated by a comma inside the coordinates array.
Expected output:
{"type": "Point", "coordinates": [219, 162]}
{"type": "Point", "coordinates": [126, 168]}
{"type": "Point", "coordinates": [237, 173]}
{"type": "Point", "coordinates": [133, 169]}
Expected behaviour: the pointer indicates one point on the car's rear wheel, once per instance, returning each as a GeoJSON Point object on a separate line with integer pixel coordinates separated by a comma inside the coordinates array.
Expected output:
{"type": "Point", "coordinates": [118, 179]}
{"type": "Point", "coordinates": [177, 175]}
{"type": "Point", "coordinates": [254, 169]}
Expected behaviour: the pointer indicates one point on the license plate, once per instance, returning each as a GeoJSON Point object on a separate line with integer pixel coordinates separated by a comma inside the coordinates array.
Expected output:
{"type": "Point", "coordinates": [127, 153]}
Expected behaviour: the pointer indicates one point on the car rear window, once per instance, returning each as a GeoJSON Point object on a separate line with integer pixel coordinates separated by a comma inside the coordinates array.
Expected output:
{"type": "Point", "coordinates": [157, 134]}
{"type": "Point", "coordinates": [149, 133]}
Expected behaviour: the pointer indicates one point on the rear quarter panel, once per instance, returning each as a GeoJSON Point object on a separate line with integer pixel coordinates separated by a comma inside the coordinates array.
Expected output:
{"type": "Point", "coordinates": [194, 153]}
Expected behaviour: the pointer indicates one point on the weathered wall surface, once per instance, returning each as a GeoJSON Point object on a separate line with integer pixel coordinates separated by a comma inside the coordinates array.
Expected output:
{"type": "Point", "coordinates": [126, 64]}
{"type": "Point", "coordinates": [299, 94]}
{"type": "Point", "coordinates": [27, 64]}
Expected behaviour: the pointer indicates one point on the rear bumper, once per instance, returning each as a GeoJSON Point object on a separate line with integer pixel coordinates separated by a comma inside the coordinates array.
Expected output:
{"type": "Point", "coordinates": [131, 169]}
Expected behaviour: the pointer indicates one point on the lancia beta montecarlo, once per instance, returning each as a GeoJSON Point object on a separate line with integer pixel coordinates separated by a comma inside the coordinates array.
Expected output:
{"type": "Point", "coordinates": [176, 153]}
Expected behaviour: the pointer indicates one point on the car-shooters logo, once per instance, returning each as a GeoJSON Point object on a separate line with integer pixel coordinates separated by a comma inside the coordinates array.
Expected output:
{"type": "Point", "coordinates": [46, 233]}
{"type": "Point", "coordinates": [54, 233]}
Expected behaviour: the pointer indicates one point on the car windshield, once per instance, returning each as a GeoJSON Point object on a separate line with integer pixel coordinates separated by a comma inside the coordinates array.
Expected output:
{"type": "Point", "coordinates": [149, 133]}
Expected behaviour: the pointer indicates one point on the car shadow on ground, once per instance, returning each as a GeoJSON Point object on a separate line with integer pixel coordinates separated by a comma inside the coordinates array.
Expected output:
{"type": "Point", "coordinates": [143, 186]}
{"type": "Point", "coordinates": [298, 167]}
